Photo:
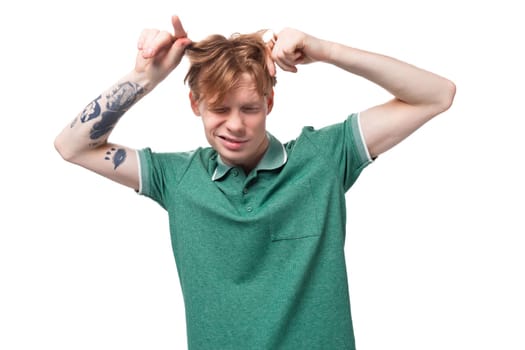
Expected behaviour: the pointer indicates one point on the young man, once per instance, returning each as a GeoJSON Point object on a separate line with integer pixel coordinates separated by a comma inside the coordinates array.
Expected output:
{"type": "Point", "coordinates": [257, 226]}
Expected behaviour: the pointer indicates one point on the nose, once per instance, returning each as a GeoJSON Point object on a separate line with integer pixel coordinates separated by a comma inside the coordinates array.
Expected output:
{"type": "Point", "coordinates": [235, 123]}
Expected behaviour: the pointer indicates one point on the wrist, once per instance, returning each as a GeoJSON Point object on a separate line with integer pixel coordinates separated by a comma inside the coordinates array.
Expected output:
{"type": "Point", "coordinates": [327, 51]}
{"type": "Point", "coordinates": [141, 79]}
{"type": "Point", "coordinates": [318, 50]}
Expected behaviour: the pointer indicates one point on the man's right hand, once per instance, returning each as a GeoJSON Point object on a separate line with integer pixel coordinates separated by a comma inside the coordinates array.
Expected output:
{"type": "Point", "coordinates": [160, 51]}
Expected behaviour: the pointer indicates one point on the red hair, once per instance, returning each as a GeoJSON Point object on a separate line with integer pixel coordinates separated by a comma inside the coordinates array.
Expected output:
{"type": "Point", "coordinates": [217, 63]}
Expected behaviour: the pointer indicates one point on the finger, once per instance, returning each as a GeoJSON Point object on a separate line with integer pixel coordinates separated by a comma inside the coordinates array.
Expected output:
{"type": "Point", "coordinates": [287, 67]}
{"type": "Point", "coordinates": [156, 43]}
{"type": "Point", "coordinates": [270, 64]}
{"type": "Point", "coordinates": [271, 68]}
{"type": "Point", "coordinates": [178, 29]}
{"type": "Point", "coordinates": [145, 36]}
{"type": "Point", "coordinates": [181, 40]}
{"type": "Point", "coordinates": [286, 61]}
{"type": "Point", "coordinates": [178, 47]}
{"type": "Point", "coordinates": [176, 52]}
{"type": "Point", "coordinates": [297, 57]}
{"type": "Point", "coordinates": [140, 42]}
{"type": "Point", "coordinates": [269, 39]}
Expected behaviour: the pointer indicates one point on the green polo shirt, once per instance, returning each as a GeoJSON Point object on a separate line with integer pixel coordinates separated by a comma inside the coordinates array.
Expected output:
{"type": "Point", "coordinates": [260, 256]}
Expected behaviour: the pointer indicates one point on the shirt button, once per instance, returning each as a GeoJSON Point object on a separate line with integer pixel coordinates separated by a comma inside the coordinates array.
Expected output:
{"type": "Point", "coordinates": [245, 190]}
{"type": "Point", "coordinates": [235, 172]}
{"type": "Point", "coordinates": [249, 209]}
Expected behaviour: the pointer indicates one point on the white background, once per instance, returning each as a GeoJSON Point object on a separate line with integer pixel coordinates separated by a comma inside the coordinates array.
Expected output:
{"type": "Point", "coordinates": [434, 246]}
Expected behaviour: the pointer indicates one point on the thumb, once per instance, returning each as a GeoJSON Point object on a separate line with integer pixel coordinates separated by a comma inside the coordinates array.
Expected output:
{"type": "Point", "coordinates": [176, 51]}
{"type": "Point", "coordinates": [181, 40]}
{"type": "Point", "coordinates": [178, 29]}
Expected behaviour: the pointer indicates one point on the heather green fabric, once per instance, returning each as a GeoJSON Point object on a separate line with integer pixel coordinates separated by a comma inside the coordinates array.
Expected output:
{"type": "Point", "coordinates": [260, 256]}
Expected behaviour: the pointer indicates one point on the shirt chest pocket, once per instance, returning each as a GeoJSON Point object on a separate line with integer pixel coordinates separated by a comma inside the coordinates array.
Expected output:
{"type": "Point", "coordinates": [294, 213]}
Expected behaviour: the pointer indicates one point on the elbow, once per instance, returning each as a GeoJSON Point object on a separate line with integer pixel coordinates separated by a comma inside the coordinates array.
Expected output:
{"type": "Point", "coordinates": [447, 96]}
{"type": "Point", "coordinates": [61, 147]}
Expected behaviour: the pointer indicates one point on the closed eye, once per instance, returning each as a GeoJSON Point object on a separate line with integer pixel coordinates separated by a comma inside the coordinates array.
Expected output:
{"type": "Point", "coordinates": [251, 110]}
{"type": "Point", "coordinates": [219, 110]}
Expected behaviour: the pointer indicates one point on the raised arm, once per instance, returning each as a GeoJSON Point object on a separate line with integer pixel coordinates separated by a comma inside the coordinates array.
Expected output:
{"type": "Point", "coordinates": [85, 140]}
{"type": "Point", "coordinates": [418, 95]}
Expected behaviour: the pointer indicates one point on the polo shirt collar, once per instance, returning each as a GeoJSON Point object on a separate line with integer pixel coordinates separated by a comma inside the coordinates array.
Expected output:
{"type": "Point", "coordinates": [274, 157]}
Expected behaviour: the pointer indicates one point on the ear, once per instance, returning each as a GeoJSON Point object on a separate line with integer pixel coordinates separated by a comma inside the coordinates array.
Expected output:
{"type": "Point", "coordinates": [269, 102]}
{"type": "Point", "coordinates": [194, 105]}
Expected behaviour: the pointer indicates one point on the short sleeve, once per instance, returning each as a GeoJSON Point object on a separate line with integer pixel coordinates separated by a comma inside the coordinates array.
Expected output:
{"type": "Point", "coordinates": [160, 173]}
{"type": "Point", "coordinates": [344, 146]}
{"type": "Point", "coordinates": [152, 183]}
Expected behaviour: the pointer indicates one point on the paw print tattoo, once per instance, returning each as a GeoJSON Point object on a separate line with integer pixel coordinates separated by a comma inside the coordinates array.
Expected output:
{"type": "Point", "coordinates": [116, 156]}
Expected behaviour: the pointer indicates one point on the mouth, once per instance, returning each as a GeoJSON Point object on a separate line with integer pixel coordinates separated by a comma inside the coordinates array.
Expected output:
{"type": "Point", "coordinates": [231, 143]}
{"type": "Point", "coordinates": [231, 139]}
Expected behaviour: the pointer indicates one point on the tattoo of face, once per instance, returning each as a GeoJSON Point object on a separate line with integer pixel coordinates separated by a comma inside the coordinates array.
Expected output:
{"type": "Point", "coordinates": [91, 111]}
{"type": "Point", "coordinates": [117, 156]}
{"type": "Point", "coordinates": [119, 100]}
{"type": "Point", "coordinates": [123, 96]}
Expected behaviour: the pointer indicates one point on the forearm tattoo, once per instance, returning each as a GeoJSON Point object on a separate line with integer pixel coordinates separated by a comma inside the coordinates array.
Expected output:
{"type": "Point", "coordinates": [118, 101]}
{"type": "Point", "coordinates": [116, 156]}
